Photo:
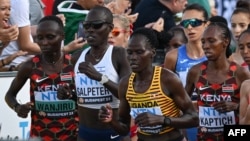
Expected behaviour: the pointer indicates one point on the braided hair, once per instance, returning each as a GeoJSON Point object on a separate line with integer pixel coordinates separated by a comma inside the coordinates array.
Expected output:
{"type": "Point", "coordinates": [225, 33]}
{"type": "Point", "coordinates": [156, 39]}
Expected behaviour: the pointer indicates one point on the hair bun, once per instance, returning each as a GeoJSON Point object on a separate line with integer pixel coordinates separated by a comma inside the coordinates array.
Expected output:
{"type": "Point", "coordinates": [243, 4]}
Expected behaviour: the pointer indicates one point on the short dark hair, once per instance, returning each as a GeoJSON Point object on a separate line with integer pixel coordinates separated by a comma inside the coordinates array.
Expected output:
{"type": "Point", "coordinates": [105, 10]}
{"type": "Point", "coordinates": [54, 19]}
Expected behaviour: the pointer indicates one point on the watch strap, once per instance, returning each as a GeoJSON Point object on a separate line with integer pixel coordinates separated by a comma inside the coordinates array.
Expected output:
{"type": "Point", "coordinates": [167, 121]}
{"type": "Point", "coordinates": [104, 79]}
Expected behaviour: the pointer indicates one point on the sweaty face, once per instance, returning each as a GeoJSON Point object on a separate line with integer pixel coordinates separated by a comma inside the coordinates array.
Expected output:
{"type": "Point", "coordinates": [49, 37]}
{"type": "Point", "coordinates": [239, 23]}
{"type": "Point", "coordinates": [212, 43]}
{"type": "Point", "coordinates": [4, 12]}
{"type": "Point", "coordinates": [97, 28]}
{"type": "Point", "coordinates": [244, 47]}
{"type": "Point", "coordinates": [139, 53]}
{"type": "Point", "coordinates": [193, 33]}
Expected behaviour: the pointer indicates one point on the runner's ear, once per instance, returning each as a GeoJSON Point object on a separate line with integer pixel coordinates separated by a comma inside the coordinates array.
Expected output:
{"type": "Point", "coordinates": [225, 43]}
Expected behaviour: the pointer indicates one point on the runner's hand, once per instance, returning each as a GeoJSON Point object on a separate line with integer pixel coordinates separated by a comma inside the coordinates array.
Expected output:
{"type": "Point", "coordinates": [23, 109]}
{"type": "Point", "coordinates": [64, 92]}
{"type": "Point", "coordinates": [88, 69]}
{"type": "Point", "coordinates": [148, 119]}
{"type": "Point", "coordinates": [105, 113]}
{"type": "Point", "coordinates": [225, 106]}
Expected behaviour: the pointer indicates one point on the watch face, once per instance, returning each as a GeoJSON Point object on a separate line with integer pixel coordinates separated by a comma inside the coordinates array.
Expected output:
{"type": "Point", "coordinates": [167, 121]}
{"type": "Point", "coordinates": [105, 79]}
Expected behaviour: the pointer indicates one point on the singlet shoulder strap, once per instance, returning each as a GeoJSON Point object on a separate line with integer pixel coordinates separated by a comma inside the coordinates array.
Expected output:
{"type": "Point", "coordinates": [203, 68]}
{"type": "Point", "coordinates": [36, 61]}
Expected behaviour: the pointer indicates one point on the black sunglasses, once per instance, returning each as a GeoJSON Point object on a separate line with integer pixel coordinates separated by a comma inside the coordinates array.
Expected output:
{"type": "Point", "coordinates": [94, 24]}
{"type": "Point", "coordinates": [192, 22]}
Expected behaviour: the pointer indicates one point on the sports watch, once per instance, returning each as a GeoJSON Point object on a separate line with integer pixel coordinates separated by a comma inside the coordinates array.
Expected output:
{"type": "Point", "coordinates": [167, 121]}
{"type": "Point", "coordinates": [104, 79]}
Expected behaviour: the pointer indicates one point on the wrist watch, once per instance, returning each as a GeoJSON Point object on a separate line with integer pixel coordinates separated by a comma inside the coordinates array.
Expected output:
{"type": "Point", "coordinates": [104, 79]}
{"type": "Point", "coordinates": [167, 121]}
{"type": "Point", "coordinates": [1, 44]}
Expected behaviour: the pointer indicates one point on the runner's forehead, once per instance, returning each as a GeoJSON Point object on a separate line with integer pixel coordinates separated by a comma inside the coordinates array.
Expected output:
{"type": "Point", "coordinates": [96, 16]}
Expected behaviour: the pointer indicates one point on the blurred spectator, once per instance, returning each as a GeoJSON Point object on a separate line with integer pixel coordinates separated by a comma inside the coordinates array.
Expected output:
{"type": "Point", "coordinates": [151, 10]}
{"type": "Point", "coordinates": [119, 6]}
{"type": "Point", "coordinates": [48, 6]}
{"type": "Point", "coordinates": [120, 34]}
{"type": "Point", "coordinates": [9, 59]}
{"type": "Point", "coordinates": [20, 16]}
{"type": "Point", "coordinates": [7, 32]}
{"type": "Point", "coordinates": [36, 8]}
{"type": "Point", "coordinates": [134, 4]}
{"type": "Point", "coordinates": [122, 7]}
{"type": "Point", "coordinates": [75, 12]}
{"type": "Point", "coordinates": [36, 11]}
{"type": "Point", "coordinates": [157, 25]}
{"type": "Point", "coordinates": [213, 10]}
{"type": "Point", "coordinates": [55, 8]}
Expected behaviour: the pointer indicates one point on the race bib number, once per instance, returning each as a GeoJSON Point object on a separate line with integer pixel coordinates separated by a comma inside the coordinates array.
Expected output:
{"type": "Point", "coordinates": [209, 117]}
